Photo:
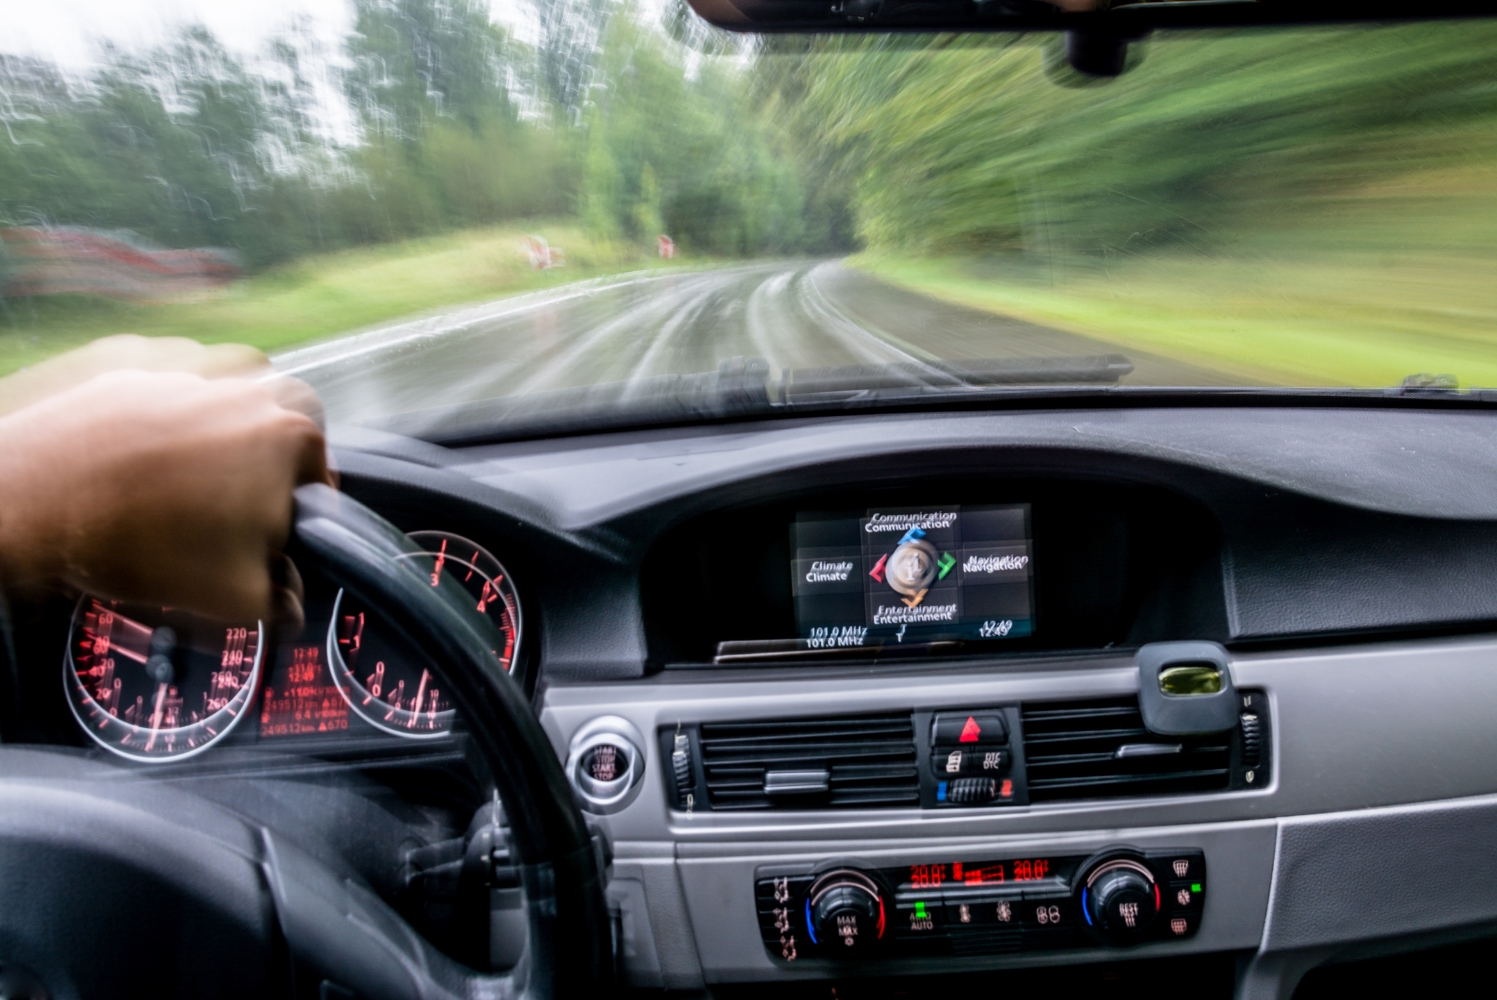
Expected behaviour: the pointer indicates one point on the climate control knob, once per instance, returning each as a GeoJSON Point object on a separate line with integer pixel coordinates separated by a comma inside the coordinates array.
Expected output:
{"type": "Point", "coordinates": [1120, 899]}
{"type": "Point", "coordinates": [845, 911]}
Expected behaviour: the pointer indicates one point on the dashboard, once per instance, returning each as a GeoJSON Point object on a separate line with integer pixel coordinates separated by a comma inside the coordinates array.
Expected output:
{"type": "Point", "coordinates": [154, 684]}
{"type": "Point", "coordinates": [905, 695]}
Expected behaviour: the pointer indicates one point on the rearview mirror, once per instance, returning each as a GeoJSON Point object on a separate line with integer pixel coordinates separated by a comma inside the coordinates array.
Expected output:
{"type": "Point", "coordinates": [1097, 31]}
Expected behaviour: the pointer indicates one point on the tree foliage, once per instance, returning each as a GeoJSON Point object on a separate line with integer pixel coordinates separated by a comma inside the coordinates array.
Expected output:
{"type": "Point", "coordinates": [682, 153]}
{"type": "Point", "coordinates": [457, 123]}
{"type": "Point", "coordinates": [949, 144]}
{"type": "Point", "coordinates": [643, 122]}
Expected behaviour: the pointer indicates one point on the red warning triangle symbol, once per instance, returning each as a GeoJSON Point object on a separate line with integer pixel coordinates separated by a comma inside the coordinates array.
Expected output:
{"type": "Point", "coordinates": [970, 731]}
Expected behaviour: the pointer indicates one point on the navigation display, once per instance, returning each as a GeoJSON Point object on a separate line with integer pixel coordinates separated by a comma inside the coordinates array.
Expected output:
{"type": "Point", "coordinates": [912, 574]}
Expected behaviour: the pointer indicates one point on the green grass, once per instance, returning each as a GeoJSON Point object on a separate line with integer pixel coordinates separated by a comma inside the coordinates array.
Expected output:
{"type": "Point", "coordinates": [1360, 289]}
{"type": "Point", "coordinates": [321, 296]}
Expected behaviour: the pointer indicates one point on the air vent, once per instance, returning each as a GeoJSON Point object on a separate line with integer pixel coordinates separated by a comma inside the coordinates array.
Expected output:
{"type": "Point", "coordinates": [1100, 749]}
{"type": "Point", "coordinates": [854, 762]}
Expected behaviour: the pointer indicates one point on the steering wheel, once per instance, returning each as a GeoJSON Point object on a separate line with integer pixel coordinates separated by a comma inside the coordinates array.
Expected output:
{"type": "Point", "coordinates": [114, 886]}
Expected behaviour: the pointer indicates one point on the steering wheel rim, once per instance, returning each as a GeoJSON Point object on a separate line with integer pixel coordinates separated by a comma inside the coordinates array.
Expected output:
{"type": "Point", "coordinates": [569, 949]}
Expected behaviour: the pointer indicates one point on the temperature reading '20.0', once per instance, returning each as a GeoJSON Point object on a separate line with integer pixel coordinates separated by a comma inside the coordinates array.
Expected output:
{"type": "Point", "coordinates": [979, 873]}
{"type": "Point", "coordinates": [927, 876]}
{"type": "Point", "coordinates": [384, 682]}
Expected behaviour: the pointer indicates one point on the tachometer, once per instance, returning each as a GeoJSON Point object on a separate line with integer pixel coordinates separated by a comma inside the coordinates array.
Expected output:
{"type": "Point", "coordinates": [380, 682]}
{"type": "Point", "coordinates": [151, 683]}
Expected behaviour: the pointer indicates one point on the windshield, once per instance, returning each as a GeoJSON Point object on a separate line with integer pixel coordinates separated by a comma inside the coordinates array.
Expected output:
{"type": "Point", "coordinates": [467, 217]}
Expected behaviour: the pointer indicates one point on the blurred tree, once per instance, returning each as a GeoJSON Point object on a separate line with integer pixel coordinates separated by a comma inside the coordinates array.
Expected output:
{"type": "Point", "coordinates": [639, 125]}
{"type": "Point", "coordinates": [571, 33]}
{"type": "Point", "coordinates": [415, 61]}
{"type": "Point", "coordinates": [968, 145]}
{"type": "Point", "coordinates": [166, 144]}
{"type": "Point", "coordinates": [673, 136]}
{"type": "Point", "coordinates": [445, 141]}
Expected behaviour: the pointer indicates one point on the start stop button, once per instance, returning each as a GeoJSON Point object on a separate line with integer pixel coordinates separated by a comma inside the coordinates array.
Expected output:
{"type": "Point", "coordinates": [605, 764]}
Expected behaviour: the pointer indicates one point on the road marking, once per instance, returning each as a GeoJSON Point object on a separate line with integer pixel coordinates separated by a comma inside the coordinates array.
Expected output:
{"type": "Point", "coordinates": [429, 327]}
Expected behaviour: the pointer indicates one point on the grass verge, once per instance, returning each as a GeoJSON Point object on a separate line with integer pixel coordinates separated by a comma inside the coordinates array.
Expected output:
{"type": "Point", "coordinates": [321, 296]}
{"type": "Point", "coordinates": [1361, 290]}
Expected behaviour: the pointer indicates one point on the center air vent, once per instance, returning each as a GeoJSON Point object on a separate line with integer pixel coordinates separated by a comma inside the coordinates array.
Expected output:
{"type": "Point", "coordinates": [1100, 749]}
{"type": "Point", "coordinates": [852, 762]}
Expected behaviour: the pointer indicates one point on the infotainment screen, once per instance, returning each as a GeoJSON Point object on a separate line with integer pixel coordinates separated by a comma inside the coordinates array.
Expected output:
{"type": "Point", "coordinates": [912, 574]}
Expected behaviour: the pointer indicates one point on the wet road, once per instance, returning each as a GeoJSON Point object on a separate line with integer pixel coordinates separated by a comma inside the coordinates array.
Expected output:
{"type": "Point", "coordinates": [795, 314]}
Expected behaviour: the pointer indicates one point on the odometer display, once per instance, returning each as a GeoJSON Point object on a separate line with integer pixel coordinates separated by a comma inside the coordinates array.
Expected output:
{"type": "Point", "coordinates": [378, 677]}
{"type": "Point", "coordinates": [151, 683]}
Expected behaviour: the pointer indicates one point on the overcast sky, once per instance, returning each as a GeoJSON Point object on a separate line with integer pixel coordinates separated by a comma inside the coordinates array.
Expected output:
{"type": "Point", "coordinates": [67, 31]}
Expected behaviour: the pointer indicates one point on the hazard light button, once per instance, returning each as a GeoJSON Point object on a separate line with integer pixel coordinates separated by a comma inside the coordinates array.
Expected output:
{"type": "Point", "coordinates": [957, 729]}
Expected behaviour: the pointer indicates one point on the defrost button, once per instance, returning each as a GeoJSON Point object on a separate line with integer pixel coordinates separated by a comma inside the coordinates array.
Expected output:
{"type": "Point", "coordinates": [1172, 866]}
{"type": "Point", "coordinates": [1179, 925]}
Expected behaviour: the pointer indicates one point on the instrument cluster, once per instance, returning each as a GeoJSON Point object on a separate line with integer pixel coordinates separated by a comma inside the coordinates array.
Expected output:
{"type": "Point", "coordinates": [155, 684]}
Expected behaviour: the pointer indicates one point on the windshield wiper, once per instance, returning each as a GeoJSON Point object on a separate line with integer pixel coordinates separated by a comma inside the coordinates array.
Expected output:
{"type": "Point", "coordinates": [853, 381]}
{"type": "Point", "coordinates": [743, 388]}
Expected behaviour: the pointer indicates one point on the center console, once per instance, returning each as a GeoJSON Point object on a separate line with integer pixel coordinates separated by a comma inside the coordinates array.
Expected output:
{"type": "Point", "coordinates": [927, 731]}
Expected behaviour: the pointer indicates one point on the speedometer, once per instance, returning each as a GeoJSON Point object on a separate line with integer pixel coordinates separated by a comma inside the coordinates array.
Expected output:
{"type": "Point", "coordinates": [151, 683]}
{"type": "Point", "coordinates": [378, 678]}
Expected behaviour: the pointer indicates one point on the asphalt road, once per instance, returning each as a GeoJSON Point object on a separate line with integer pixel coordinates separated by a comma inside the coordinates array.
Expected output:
{"type": "Point", "coordinates": [795, 314]}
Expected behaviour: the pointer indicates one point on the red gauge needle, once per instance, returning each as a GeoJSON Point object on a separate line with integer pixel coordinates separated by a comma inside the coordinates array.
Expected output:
{"type": "Point", "coordinates": [127, 636]}
{"type": "Point", "coordinates": [156, 715]}
{"type": "Point", "coordinates": [436, 574]}
{"type": "Point", "coordinates": [420, 697]}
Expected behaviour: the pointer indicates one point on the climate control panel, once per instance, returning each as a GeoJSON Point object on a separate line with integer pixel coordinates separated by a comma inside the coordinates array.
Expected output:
{"type": "Point", "coordinates": [1115, 897]}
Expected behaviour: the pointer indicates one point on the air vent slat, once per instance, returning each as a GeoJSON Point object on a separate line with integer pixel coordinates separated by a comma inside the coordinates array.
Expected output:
{"type": "Point", "coordinates": [1041, 761]}
{"type": "Point", "coordinates": [753, 783]}
{"type": "Point", "coordinates": [870, 760]}
{"type": "Point", "coordinates": [816, 751]}
{"type": "Point", "coordinates": [818, 740]}
{"type": "Point", "coordinates": [1118, 735]}
{"type": "Point", "coordinates": [1123, 779]}
{"type": "Point", "coordinates": [775, 730]}
{"type": "Point", "coordinates": [1070, 752]}
{"type": "Point", "coordinates": [865, 799]}
{"type": "Point", "coordinates": [1048, 714]}
{"type": "Point", "coordinates": [867, 772]}
{"type": "Point", "coordinates": [738, 730]}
